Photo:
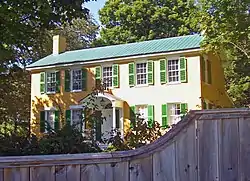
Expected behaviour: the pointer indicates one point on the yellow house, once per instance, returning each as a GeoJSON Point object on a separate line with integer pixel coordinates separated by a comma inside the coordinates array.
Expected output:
{"type": "Point", "coordinates": [160, 79]}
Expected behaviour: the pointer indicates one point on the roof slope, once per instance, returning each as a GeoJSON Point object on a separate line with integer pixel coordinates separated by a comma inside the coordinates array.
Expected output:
{"type": "Point", "coordinates": [122, 50]}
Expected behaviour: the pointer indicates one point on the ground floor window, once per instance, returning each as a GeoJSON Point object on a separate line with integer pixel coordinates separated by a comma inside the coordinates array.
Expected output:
{"type": "Point", "coordinates": [76, 118]}
{"type": "Point", "coordinates": [49, 120]}
{"type": "Point", "coordinates": [174, 113]}
{"type": "Point", "coordinates": [142, 111]}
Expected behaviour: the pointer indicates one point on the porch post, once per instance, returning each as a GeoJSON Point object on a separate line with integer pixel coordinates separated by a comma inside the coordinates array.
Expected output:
{"type": "Point", "coordinates": [114, 117]}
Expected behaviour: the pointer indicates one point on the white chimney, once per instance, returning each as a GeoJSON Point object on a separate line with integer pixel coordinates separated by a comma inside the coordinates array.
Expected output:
{"type": "Point", "coordinates": [59, 44]}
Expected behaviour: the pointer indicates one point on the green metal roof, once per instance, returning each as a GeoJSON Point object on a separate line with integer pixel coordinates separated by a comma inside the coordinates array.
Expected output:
{"type": "Point", "coordinates": [123, 50]}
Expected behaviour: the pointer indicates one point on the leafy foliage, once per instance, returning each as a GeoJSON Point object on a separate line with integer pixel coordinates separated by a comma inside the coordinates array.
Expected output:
{"type": "Point", "coordinates": [130, 21]}
{"type": "Point", "coordinates": [226, 26]}
{"type": "Point", "coordinates": [139, 135]}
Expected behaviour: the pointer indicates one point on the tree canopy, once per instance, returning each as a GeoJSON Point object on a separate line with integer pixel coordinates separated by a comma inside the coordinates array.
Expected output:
{"type": "Point", "coordinates": [127, 21]}
{"type": "Point", "coordinates": [226, 26]}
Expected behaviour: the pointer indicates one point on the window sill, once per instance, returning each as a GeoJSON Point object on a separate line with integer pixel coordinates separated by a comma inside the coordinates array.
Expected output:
{"type": "Point", "coordinates": [76, 91]}
{"type": "Point", "coordinates": [141, 85]}
{"type": "Point", "coordinates": [173, 83]}
{"type": "Point", "coordinates": [50, 93]}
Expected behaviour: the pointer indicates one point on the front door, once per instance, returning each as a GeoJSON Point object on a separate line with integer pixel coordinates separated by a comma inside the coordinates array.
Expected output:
{"type": "Point", "coordinates": [107, 125]}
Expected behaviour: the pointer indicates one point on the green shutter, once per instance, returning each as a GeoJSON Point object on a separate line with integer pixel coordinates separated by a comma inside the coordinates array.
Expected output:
{"type": "Point", "coordinates": [164, 115]}
{"type": "Point", "coordinates": [131, 72]}
{"type": "Point", "coordinates": [42, 82]}
{"type": "Point", "coordinates": [67, 80]}
{"type": "Point", "coordinates": [57, 121]}
{"type": "Point", "coordinates": [210, 106]}
{"type": "Point", "coordinates": [150, 72]}
{"type": "Point", "coordinates": [184, 108]}
{"type": "Point", "coordinates": [203, 70]}
{"type": "Point", "coordinates": [98, 75]}
{"type": "Point", "coordinates": [115, 69]}
{"type": "Point", "coordinates": [150, 116]}
{"type": "Point", "coordinates": [68, 117]}
{"type": "Point", "coordinates": [84, 79]}
{"type": "Point", "coordinates": [183, 69]}
{"type": "Point", "coordinates": [42, 121]}
{"type": "Point", "coordinates": [209, 72]}
{"type": "Point", "coordinates": [58, 77]}
{"type": "Point", "coordinates": [204, 104]}
{"type": "Point", "coordinates": [163, 73]}
{"type": "Point", "coordinates": [132, 116]}
{"type": "Point", "coordinates": [98, 130]}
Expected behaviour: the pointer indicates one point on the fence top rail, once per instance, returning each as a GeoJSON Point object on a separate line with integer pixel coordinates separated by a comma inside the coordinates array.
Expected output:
{"type": "Point", "coordinates": [119, 156]}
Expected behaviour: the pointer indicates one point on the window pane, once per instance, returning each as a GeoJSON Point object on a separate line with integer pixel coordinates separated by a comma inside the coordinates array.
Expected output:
{"type": "Point", "coordinates": [173, 70]}
{"type": "Point", "coordinates": [76, 79]}
{"type": "Point", "coordinates": [76, 118]}
{"type": "Point", "coordinates": [175, 113]}
{"type": "Point", "coordinates": [107, 76]}
{"type": "Point", "coordinates": [142, 110]}
{"type": "Point", "coordinates": [50, 118]}
{"type": "Point", "coordinates": [51, 82]}
{"type": "Point", "coordinates": [141, 73]}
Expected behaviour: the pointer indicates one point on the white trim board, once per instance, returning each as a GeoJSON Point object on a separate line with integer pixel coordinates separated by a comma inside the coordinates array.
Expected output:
{"type": "Point", "coordinates": [148, 56]}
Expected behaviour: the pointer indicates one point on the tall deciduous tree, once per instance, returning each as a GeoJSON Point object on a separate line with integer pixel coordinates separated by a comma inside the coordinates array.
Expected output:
{"type": "Point", "coordinates": [226, 26]}
{"type": "Point", "coordinates": [127, 21]}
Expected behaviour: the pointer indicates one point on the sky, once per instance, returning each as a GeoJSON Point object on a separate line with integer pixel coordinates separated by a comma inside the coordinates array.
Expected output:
{"type": "Point", "coordinates": [94, 6]}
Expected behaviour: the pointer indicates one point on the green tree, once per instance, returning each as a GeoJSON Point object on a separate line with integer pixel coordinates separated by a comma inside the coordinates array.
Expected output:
{"type": "Point", "coordinates": [226, 27]}
{"type": "Point", "coordinates": [127, 21]}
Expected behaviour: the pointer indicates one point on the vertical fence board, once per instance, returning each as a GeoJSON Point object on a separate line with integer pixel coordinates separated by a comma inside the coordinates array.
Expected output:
{"type": "Point", "coordinates": [16, 174]}
{"type": "Point", "coordinates": [244, 127]}
{"type": "Point", "coordinates": [73, 173]}
{"type": "Point", "coordinates": [164, 164]}
{"type": "Point", "coordinates": [121, 171]}
{"type": "Point", "coordinates": [95, 172]}
{"type": "Point", "coordinates": [1, 174]}
{"type": "Point", "coordinates": [186, 162]}
{"type": "Point", "coordinates": [42, 173]}
{"type": "Point", "coordinates": [229, 149]}
{"type": "Point", "coordinates": [208, 150]}
{"type": "Point", "coordinates": [141, 169]}
{"type": "Point", "coordinates": [61, 173]}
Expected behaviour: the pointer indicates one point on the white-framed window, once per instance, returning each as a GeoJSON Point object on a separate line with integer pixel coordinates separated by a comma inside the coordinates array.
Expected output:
{"type": "Point", "coordinates": [173, 68]}
{"type": "Point", "coordinates": [76, 118]}
{"type": "Point", "coordinates": [49, 120]}
{"type": "Point", "coordinates": [51, 82]}
{"type": "Point", "coordinates": [141, 73]}
{"type": "Point", "coordinates": [174, 113]}
{"type": "Point", "coordinates": [107, 76]}
{"type": "Point", "coordinates": [76, 76]}
{"type": "Point", "coordinates": [142, 111]}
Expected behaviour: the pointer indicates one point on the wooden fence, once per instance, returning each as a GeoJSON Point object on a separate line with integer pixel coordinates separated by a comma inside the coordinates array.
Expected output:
{"type": "Point", "coordinates": [211, 145]}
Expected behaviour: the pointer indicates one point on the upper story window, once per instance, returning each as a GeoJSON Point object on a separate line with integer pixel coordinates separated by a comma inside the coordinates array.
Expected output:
{"type": "Point", "coordinates": [206, 70]}
{"type": "Point", "coordinates": [107, 76]}
{"type": "Point", "coordinates": [173, 70]}
{"type": "Point", "coordinates": [141, 73]}
{"type": "Point", "coordinates": [51, 82]}
{"type": "Point", "coordinates": [76, 80]}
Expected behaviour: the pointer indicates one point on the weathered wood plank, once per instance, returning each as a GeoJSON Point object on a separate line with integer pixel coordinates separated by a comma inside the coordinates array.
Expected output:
{"type": "Point", "coordinates": [42, 173]}
{"type": "Point", "coordinates": [141, 169]}
{"type": "Point", "coordinates": [1, 174]}
{"type": "Point", "coordinates": [164, 164]}
{"type": "Point", "coordinates": [93, 172]}
{"type": "Point", "coordinates": [244, 128]}
{"type": "Point", "coordinates": [61, 173]}
{"type": "Point", "coordinates": [186, 160]}
{"type": "Point", "coordinates": [229, 150]}
{"type": "Point", "coordinates": [208, 168]}
{"type": "Point", "coordinates": [16, 174]}
{"type": "Point", "coordinates": [73, 173]}
{"type": "Point", "coordinates": [121, 171]}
